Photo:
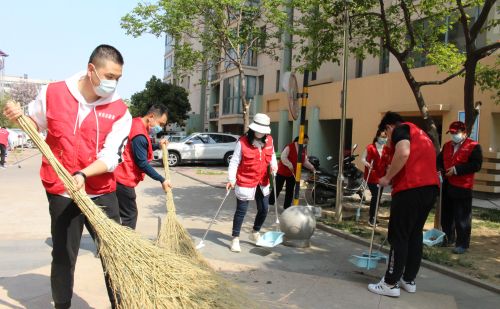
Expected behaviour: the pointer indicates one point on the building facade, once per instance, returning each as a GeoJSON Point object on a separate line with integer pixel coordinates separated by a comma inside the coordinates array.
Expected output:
{"type": "Point", "coordinates": [375, 85]}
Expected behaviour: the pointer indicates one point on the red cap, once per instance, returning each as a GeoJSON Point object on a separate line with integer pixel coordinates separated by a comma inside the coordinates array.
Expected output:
{"type": "Point", "coordinates": [456, 126]}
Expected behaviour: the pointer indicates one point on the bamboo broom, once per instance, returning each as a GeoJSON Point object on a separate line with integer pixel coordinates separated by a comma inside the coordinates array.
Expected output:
{"type": "Point", "coordinates": [173, 236]}
{"type": "Point", "coordinates": [142, 275]}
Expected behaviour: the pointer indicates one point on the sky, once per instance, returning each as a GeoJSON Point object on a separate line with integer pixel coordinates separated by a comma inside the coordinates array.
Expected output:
{"type": "Point", "coordinates": [53, 40]}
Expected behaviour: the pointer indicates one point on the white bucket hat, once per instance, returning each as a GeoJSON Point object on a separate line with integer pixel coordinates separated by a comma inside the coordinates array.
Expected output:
{"type": "Point", "coordinates": [260, 124]}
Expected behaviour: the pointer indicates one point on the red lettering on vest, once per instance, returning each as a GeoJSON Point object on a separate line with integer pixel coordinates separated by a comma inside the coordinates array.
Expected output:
{"type": "Point", "coordinates": [420, 169]}
{"type": "Point", "coordinates": [252, 170]}
{"type": "Point", "coordinates": [128, 173]}
{"type": "Point", "coordinates": [462, 155]}
{"type": "Point", "coordinates": [293, 158]}
{"type": "Point", "coordinates": [76, 150]}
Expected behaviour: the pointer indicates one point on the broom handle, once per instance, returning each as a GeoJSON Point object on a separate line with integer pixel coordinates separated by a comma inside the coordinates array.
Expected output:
{"type": "Point", "coordinates": [170, 197]}
{"type": "Point", "coordinates": [375, 223]}
{"type": "Point", "coordinates": [79, 196]}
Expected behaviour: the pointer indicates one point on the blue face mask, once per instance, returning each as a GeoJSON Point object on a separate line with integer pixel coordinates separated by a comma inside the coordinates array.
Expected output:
{"type": "Point", "coordinates": [457, 138]}
{"type": "Point", "coordinates": [381, 140]}
{"type": "Point", "coordinates": [156, 129]}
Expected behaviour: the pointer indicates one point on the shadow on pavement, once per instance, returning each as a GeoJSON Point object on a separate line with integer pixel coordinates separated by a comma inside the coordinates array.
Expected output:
{"type": "Point", "coordinates": [86, 243]}
{"type": "Point", "coordinates": [39, 297]}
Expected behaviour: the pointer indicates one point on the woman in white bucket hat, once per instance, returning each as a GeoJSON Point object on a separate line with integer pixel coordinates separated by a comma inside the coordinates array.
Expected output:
{"type": "Point", "coordinates": [248, 175]}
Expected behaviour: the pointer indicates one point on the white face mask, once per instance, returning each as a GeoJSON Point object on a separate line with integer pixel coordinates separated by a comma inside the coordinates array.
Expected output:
{"type": "Point", "coordinates": [106, 87]}
{"type": "Point", "coordinates": [457, 138]}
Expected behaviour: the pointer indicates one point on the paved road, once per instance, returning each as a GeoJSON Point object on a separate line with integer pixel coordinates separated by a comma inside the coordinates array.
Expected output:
{"type": "Point", "coordinates": [317, 277]}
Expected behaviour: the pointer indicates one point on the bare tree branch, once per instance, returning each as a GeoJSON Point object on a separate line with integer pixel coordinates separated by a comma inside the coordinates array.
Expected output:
{"type": "Point", "coordinates": [440, 82]}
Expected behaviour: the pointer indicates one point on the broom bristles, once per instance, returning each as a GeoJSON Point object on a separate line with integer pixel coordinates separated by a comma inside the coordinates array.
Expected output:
{"type": "Point", "coordinates": [142, 275]}
{"type": "Point", "coordinates": [173, 236]}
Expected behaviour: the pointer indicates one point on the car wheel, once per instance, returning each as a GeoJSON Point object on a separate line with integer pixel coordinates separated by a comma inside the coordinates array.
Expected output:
{"type": "Point", "coordinates": [227, 158]}
{"type": "Point", "coordinates": [174, 159]}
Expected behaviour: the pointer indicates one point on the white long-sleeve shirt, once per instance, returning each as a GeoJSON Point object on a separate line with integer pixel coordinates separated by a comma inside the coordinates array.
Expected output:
{"type": "Point", "coordinates": [111, 152]}
{"type": "Point", "coordinates": [243, 193]}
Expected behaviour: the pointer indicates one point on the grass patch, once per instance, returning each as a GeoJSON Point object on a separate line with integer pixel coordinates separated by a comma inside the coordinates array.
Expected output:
{"type": "Point", "coordinates": [209, 172]}
{"type": "Point", "coordinates": [349, 226]}
{"type": "Point", "coordinates": [444, 256]}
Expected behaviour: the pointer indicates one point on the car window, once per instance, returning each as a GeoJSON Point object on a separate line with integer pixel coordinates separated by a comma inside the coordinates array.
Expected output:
{"type": "Point", "coordinates": [196, 140]}
{"type": "Point", "coordinates": [206, 138]}
{"type": "Point", "coordinates": [220, 138]}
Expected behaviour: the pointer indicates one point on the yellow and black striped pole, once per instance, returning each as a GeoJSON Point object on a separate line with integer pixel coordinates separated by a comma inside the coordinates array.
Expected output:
{"type": "Point", "coordinates": [304, 95]}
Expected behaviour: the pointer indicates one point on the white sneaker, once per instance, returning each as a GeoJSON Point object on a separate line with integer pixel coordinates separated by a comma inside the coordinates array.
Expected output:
{"type": "Point", "coordinates": [410, 287]}
{"type": "Point", "coordinates": [255, 236]}
{"type": "Point", "coordinates": [235, 245]}
{"type": "Point", "coordinates": [382, 288]}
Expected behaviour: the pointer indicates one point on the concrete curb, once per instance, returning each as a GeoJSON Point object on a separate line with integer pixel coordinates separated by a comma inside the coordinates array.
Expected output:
{"type": "Point", "coordinates": [430, 265]}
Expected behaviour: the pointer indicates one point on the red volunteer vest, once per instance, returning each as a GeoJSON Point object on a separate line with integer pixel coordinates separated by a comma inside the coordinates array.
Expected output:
{"type": "Point", "coordinates": [420, 169]}
{"type": "Point", "coordinates": [283, 170]}
{"type": "Point", "coordinates": [252, 170]}
{"type": "Point", "coordinates": [378, 168]}
{"type": "Point", "coordinates": [77, 151]}
{"type": "Point", "coordinates": [127, 173]}
{"type": "Point", "coordinates": [460, 157]}
{"type": "Point", "coordinates": [4, 137]}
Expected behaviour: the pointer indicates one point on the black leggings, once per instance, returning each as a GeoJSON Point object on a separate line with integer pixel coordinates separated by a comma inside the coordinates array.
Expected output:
{"type": "Point", "coordinates": [409, 211]}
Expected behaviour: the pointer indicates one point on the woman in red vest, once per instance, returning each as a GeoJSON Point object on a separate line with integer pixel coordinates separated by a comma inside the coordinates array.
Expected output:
{"type": "Point", "coordinates": [4, 142]}
{"type": "Point", "coordinates": [372, 157]}
{"type": "Point", "coordinates": [459, 159]}
{"type": "Point", "coordinates": [248, 175]}
{"type": "Point", "coordinates": [286, 170]}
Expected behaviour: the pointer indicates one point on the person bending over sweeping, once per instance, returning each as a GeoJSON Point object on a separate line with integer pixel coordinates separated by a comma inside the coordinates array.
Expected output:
{"type": "Point", "coordinates": [136, 157]}
{"type": "Point", "coordinates": [87, 126]}
{"type": "Point", "coordinates": [248, 175]}
{"type": "Point", "coordinates": [286, 170]}
{"type": "Point", "coordinates": [415, 184]}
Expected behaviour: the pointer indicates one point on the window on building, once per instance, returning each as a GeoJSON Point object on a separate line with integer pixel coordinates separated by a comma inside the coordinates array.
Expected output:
{"type": "Point", "coordinates": [250, 58]}
{"type": "Point", "coordinates": [359, 68]}
{"type": "Point", "coordinates": [278, 77]}
{"type": "Point", "coordinates": [168, 65]}
{"type": "Point", "coordinates": [313, 75]}
{"type": "Point", "coordinates": [261, 85]}
{"type": "Point", "coordinates": [383, 65]}
{"type": "Point", "coordinates": [169, 40]}
{"type": "Point", "coordinates": [231, 102]}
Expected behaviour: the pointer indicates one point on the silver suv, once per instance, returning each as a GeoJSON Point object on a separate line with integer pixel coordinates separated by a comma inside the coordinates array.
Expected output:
{"type": "Point", "coordinates": [200, 147]}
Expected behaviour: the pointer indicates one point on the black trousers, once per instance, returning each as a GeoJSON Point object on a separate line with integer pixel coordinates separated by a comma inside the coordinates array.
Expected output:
{"type": "Point", "coordinates": [456, 218]}
{"type": "Point", "coordinates": [289, 189]}
{"type": "Point", "coordinates": [409, 211]}
{"type": "Point", "coordinates": [3, 153]}
{"type": "Point", "coordinates": [128, 206]}
{"type": "Point", "coordinates": [67, 223]}
{"type": "Point", "coordinates": [373, 187]}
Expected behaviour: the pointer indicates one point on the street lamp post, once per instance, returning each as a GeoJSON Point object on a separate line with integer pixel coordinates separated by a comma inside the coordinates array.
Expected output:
{"type": "Point", "coordinates": [343, 106]}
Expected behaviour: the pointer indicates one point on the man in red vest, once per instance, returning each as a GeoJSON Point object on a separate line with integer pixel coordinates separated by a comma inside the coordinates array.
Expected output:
{"type": "Point", "coordinates": [4, 142]}
{"type": "Point", "coordinates": [138, 153]}
{"type": "Point", "coordinates": [87, 125]}
{"type": "Point", "coordinates": [286, 170]}
{"type": "Point", "coordinates": [415, 181]}
{"type": "Point", "coordinates": [459, 159]}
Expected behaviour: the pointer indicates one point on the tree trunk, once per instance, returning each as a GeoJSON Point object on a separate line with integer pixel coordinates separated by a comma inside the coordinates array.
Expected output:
{"type": "Point", "coordinates": [431, 128]}
{"type": "Point", "coordinates": [470, 79]}
{"type": "Point", "coordinates": [245, 103]}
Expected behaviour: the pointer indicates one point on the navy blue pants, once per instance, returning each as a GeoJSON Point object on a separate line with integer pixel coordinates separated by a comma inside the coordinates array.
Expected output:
{"type": "Point", "coordinates": [241, 210]}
